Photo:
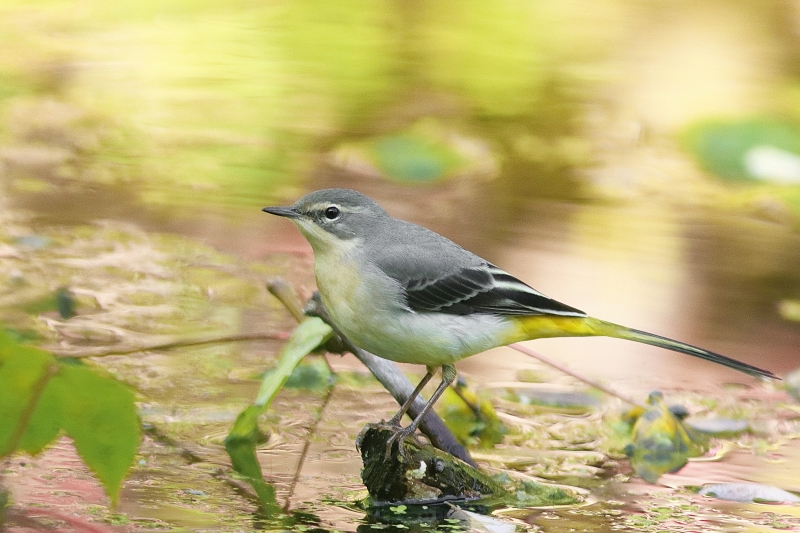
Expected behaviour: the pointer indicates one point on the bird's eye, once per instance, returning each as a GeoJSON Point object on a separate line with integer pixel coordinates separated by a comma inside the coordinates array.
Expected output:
{"type": "Point", "coordinates": [332, 213]}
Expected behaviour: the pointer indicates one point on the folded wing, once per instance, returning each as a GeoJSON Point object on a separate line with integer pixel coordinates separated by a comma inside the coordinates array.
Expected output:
{"type": "Point", "coordinates": [482, 289]}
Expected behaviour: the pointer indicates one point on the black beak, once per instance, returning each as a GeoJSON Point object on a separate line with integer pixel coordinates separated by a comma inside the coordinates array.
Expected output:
{"type": "Point", "coordinates": [287, 212]}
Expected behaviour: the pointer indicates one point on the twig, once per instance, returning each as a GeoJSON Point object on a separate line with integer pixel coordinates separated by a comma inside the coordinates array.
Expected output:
{"type": "Point", "coordinates": [104, 351]}
{"type": "Point", "coordinates": [285, 293]}
{"type": "Point", "coordinates": [306, 445]}
{"type": "Point", "coordinates": [596, 384]}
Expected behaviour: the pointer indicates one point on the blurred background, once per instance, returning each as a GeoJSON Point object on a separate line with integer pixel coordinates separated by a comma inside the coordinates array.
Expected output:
{"type": "Point", "coordinates": [639, 160]}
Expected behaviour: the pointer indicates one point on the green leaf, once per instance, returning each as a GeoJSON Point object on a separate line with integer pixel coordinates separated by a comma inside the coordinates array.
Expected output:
{"type": "Point", "coordinates": [40, 396]}
{"type": "Point", "coordinates": [24, 373]}
{"type": "Point", "coordinates": [245, 435]}
{"type": "Point", "coordinates": [312, 374]}
{"type": "Point", "coordinates": [241, 445]}
{"type": "Point", "coordinates": [722, 146]}
{"type": "Point", "coordinates": [44, 424]}
{"type": "Point", "coordinates": [410, 158]}
{"type": "Point", "coordinates": [99, 414]}
{"type": "Point", "coordinates": [475, 423]}
{"type": "Point", "coordinates": [311, 333]}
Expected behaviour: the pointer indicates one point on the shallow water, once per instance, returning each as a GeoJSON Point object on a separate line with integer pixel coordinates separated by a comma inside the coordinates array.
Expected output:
{"type": "Point", "coordinates": [548, 137]}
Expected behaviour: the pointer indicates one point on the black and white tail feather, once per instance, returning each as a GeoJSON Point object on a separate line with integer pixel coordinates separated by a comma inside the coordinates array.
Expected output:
{"type": "Point", "coordinates": [490, 290]}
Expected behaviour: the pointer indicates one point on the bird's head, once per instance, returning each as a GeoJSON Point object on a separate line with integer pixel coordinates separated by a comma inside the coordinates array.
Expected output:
{"type": "Point", "coordinates": [332, 217]}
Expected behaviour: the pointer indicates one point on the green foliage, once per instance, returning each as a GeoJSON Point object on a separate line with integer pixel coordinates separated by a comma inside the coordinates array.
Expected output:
{"type": "Point", "coordinates": [490, 53]}
{"type": "Point", "coordinates": [24, 373]}
{"type": "Point", "coordinates": [472, 419]}
{"type": "Point", "coordinates": [41, 396]}
{"type": "Point", "coordinates": [661, 441]}
{"type": "Point", "coordinates": [245, 435]}
{"type": "Point", "coordinates": [313, 374]}
{"type": "Point", "coordinates": [722, 146]}
{"type": "Point", "coordinates": [426, 152]}
{"type": "Point", "coordinates": [529, 493]}
{"type": "Point", "coordinates": [310, 334]}
{"type": "Point", "coordinates": [241, 445]}
{"type": "Point", "coordinates": [409, 158]}
{"type": "Point", "coordinates": [789, 310]}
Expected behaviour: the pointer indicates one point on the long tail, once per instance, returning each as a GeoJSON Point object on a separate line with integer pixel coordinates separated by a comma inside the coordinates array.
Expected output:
{"type": "Point", "coordinates": [621, 332]}
{"type": "Point", "coordinates": [540, 326]}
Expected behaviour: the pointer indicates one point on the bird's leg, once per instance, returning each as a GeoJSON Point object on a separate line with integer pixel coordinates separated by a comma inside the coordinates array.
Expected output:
{"type": "Point", "coordinates": [448, 375]}
{"type": "Point", "coordinates": [395, 420]}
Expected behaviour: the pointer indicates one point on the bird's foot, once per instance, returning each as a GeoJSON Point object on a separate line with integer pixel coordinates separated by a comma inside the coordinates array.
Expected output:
{"type": "Point", "coordinates": [399, 435]}
{"type": "Point", "coordinates": [380, 425]}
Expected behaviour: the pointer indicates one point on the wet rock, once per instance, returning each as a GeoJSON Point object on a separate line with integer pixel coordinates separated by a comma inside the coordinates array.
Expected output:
{"type": "Point", "coordinates": [556, 398]}
{"type": "Point", "coordinates": [420, 474]}
{"type": "Point", "coordinates": [748, 493]}
{"type": "Point", "coordinates": [719, 427]}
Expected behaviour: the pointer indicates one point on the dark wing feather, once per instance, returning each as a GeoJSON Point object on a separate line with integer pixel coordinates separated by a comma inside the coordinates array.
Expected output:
{"type": "Point", "coordinates": [482, 289]}
{"type": "Point", "coordinates": [449, 294]}
{"type": "Point", "coordinates": [440, 276]}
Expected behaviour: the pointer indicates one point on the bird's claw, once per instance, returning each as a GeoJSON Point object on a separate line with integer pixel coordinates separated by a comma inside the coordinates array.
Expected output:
{"type": "Point", "coordinates": [361, 434]}
{"type": "Point", "coordinates": [398, 436]}
{"type": "Point", "coordinates": [393, 422]}
{"type": "Point", "coordinates": [380, 425]}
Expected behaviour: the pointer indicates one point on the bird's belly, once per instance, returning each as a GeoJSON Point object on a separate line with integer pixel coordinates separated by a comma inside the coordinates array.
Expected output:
{"type": "Point", "coordinates": [375, 319]}
{"type": "Point", "coordinates": [432, 339]}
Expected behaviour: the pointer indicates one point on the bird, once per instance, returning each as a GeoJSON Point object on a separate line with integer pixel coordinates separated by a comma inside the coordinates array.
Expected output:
{"type": "Point", "coordinates": [408, 294]}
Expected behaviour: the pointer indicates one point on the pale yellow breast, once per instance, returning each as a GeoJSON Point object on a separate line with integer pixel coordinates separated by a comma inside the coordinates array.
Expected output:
{"type": "Point", "coordinates": [338, 281]}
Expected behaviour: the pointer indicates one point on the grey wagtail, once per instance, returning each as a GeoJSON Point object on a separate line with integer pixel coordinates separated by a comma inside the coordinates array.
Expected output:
{"type": "Point", "coordinates": [407, 294]}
